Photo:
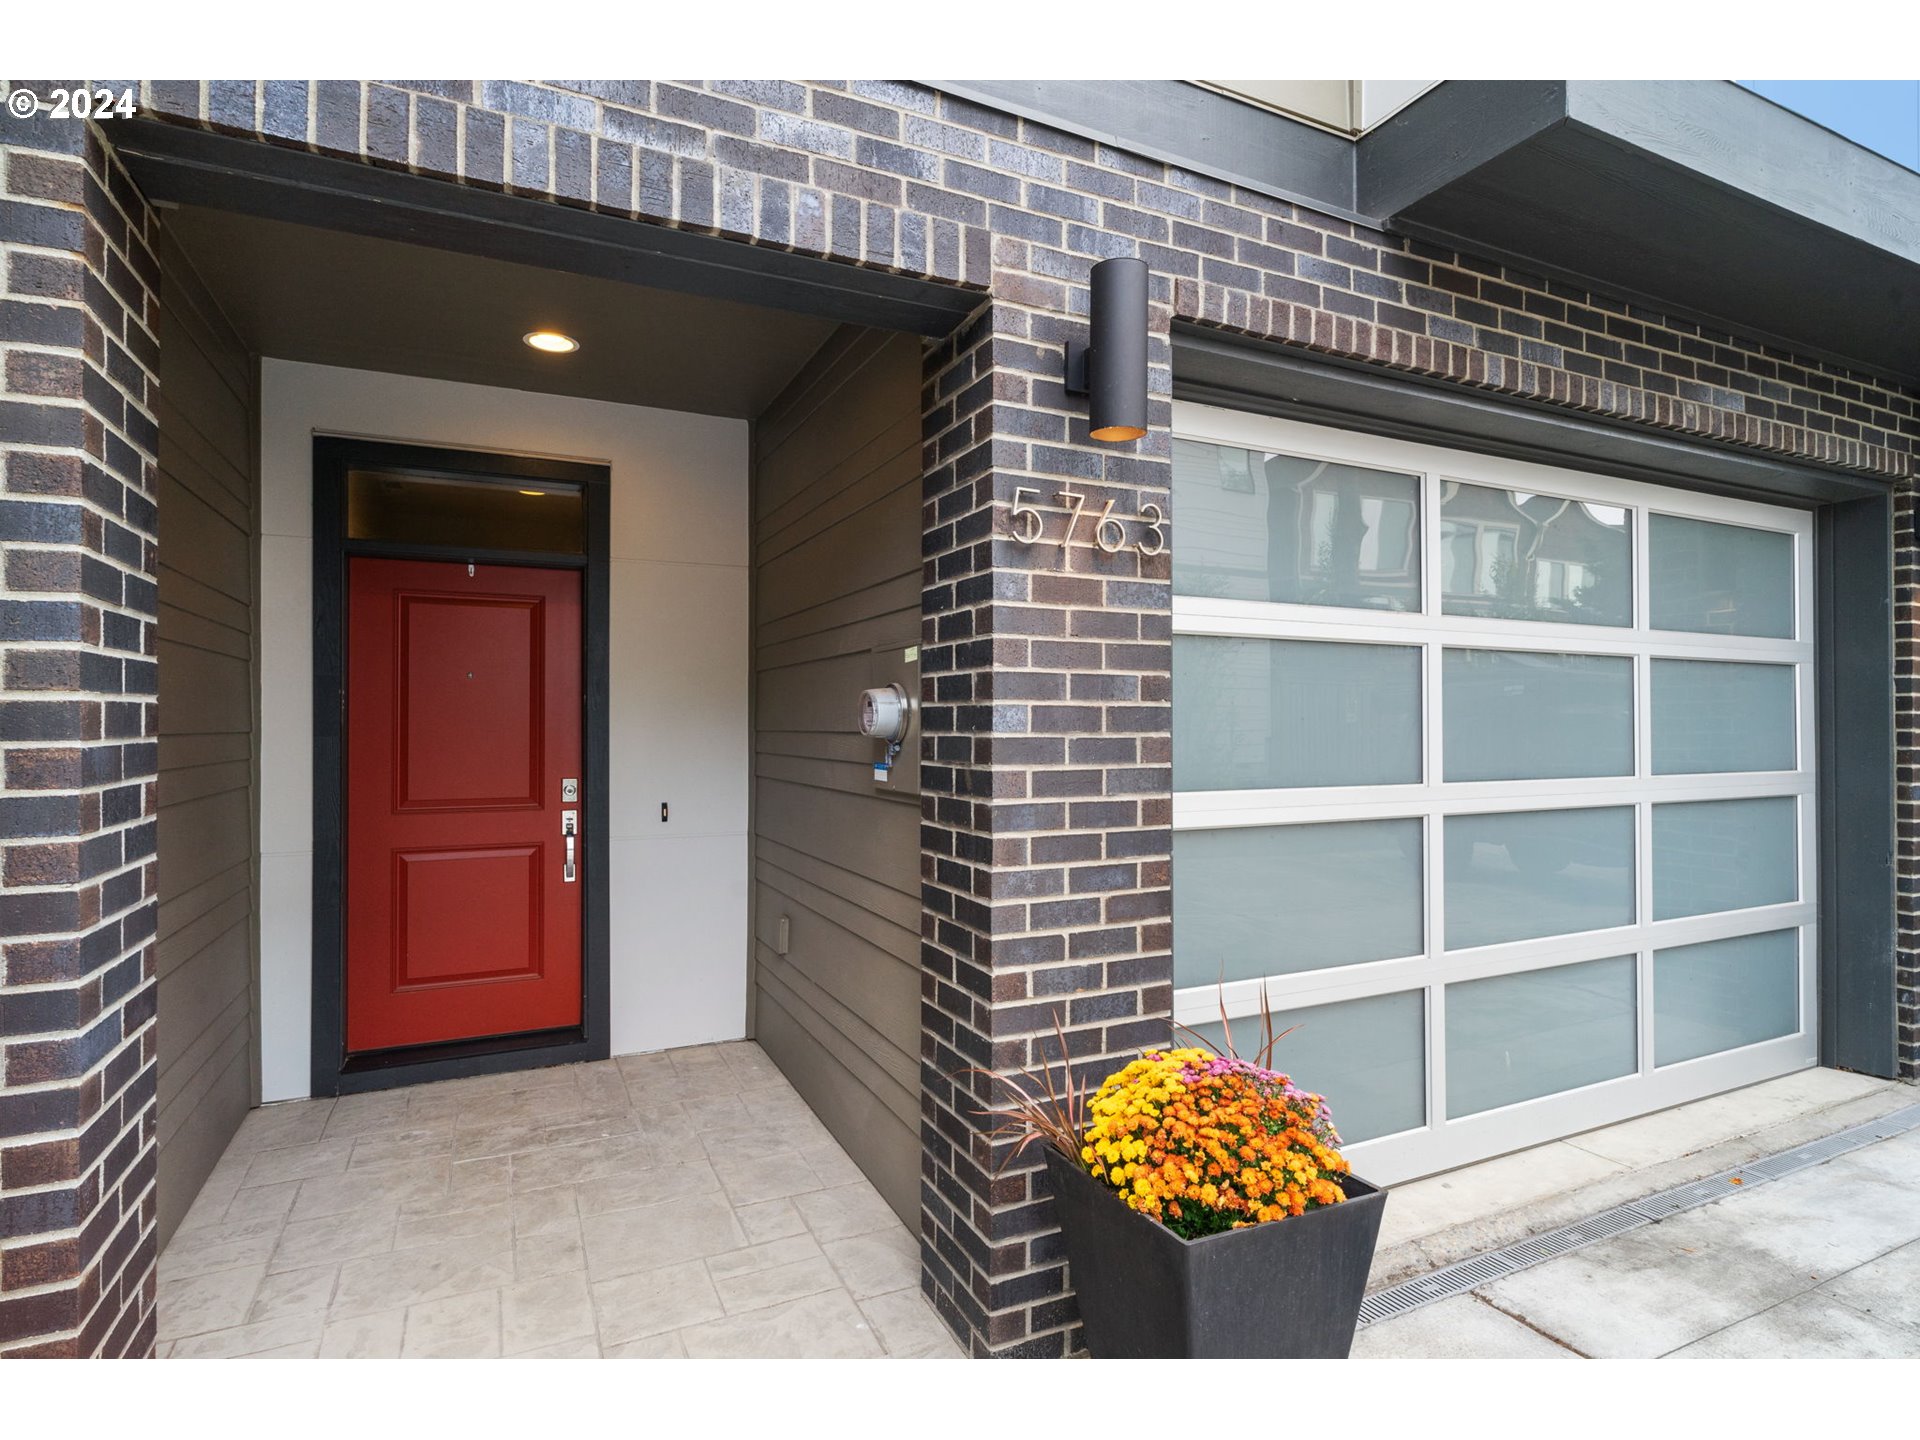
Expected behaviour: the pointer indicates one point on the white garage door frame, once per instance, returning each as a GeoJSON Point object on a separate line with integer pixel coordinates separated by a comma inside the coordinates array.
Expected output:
{"type": "Point", "coordinates": [1443, 1143]}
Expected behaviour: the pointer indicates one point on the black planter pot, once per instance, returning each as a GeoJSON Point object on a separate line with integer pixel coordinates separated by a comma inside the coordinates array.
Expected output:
{"type": "Point", "coordinates": [1288, 1289]}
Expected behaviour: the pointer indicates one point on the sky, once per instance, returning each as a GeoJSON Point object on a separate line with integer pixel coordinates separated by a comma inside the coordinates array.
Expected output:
{"type": "Point", "coordinates": [1883, 115]}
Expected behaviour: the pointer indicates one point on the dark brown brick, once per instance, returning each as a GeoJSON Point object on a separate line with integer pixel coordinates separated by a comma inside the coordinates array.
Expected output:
{"type": "Point", "coordinates": [1047, 695]}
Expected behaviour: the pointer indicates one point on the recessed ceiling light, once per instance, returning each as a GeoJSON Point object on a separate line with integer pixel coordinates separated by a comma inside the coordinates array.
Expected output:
{"type": "Point", "coordinates": [551, 341]}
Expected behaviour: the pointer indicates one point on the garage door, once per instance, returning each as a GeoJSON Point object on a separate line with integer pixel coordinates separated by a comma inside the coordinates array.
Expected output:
{"type": "Point", "coordinates": [1494, 782]}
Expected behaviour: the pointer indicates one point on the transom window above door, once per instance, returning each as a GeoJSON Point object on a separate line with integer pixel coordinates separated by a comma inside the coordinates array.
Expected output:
{"type": "Point", "coordinates": [1492, 778]}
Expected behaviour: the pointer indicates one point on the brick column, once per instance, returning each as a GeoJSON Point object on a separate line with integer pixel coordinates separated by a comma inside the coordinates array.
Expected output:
{"type": "Point", "coordinates": [1047, 784]}
{"type": "Point", "coordinates": [77, 915]}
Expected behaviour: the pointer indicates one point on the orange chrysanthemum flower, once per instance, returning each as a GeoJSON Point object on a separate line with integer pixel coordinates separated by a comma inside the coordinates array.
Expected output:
{"type": "Point", "coordinates": [1205, 1143]}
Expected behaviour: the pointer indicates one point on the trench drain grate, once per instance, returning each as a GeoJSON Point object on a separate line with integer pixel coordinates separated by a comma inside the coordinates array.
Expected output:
{"type": "Point", "coordinates": [1464, 1275]}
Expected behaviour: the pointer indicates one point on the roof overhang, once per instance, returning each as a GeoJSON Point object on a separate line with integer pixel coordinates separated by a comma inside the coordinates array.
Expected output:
{"type": "Point", "coordinates": [1695, 196]}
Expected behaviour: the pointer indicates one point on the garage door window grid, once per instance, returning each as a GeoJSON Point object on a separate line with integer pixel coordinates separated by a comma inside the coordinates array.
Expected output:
{"type": "Point", "coordinates": [1497, 776]}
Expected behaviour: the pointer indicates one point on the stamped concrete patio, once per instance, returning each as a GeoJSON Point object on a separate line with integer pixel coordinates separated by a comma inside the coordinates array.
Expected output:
{"type": "Point", "coordinates": [686, 1203]}
{"type": "Point", "coordinates": [689, 1203]}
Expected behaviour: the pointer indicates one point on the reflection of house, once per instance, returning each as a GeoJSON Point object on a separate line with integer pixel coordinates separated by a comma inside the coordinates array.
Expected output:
{"type": "Point", "coordinates": [1511, 554]}
{"type": "Point", "coordinates": [1280, 527]}
{"type": "Point", "coordinates": [1348, 532]}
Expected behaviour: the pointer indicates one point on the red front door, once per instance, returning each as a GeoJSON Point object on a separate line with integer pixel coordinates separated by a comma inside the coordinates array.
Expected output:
{"type": "Point", "coordinates": [463, 719]}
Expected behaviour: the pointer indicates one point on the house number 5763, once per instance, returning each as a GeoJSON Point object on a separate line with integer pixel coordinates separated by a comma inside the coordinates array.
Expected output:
{"type": "Point", "coordinates": [1110, 531]}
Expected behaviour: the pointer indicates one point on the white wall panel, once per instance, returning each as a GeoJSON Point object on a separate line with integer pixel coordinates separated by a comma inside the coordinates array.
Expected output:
{"type": "Point", "coordinates": [679, 656]}
{"type": "Point", "coordinates": [286, 695]}
{"type": "Point", "coordinates": [286, 976]}
{"type": "Point", "coordinates": [679, 693]}
{"type": "Point", "coordinates": [679, 941]}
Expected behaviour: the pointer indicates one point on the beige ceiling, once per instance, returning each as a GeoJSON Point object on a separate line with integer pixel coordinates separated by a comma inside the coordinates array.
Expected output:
{"type": "Point", "coordinates": [332, 298]}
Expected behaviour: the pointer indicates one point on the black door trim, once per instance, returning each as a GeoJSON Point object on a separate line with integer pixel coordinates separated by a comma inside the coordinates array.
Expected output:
{"type": "Point", "coordinates": [333, 1071]}
{"type": "Point", "coordinates": [1853, 613]}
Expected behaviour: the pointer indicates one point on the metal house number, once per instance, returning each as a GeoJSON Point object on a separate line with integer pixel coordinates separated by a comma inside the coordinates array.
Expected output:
{"type": "Point", "coordinates": [1110, 531]}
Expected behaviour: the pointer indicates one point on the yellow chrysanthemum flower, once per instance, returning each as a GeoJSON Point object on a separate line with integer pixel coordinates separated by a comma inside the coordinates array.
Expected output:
{"type": "Point", "coordinates": [1205, 1145]}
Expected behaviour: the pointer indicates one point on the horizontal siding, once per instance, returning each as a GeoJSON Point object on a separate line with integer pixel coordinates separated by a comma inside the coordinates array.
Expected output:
{"type": "Point", "coordinates": [837, 576]}
{"type": "Point", "coordinates": [205, 641]}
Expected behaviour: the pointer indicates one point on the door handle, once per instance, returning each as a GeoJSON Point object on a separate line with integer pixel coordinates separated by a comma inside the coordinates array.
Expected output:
{"type": "Point", "coordinates": [569, 827]}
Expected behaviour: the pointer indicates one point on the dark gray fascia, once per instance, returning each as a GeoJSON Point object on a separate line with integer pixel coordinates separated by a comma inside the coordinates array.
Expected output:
{"type": "Point", "coordinates": [1447, 134]}
{"type": "Point", "coordinates": [1716, 132]}
{"type": "Point", "coordinates": [1699, 199]}
{"type": "Point", "coordinates": [1731, 137]}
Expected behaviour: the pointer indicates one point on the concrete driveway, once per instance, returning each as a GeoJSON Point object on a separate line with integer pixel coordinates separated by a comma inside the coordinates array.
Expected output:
{"type": "Point", "coordinates": [1821, 1263]}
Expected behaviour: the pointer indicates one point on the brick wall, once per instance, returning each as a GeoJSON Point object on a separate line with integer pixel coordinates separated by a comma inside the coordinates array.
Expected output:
{"type": "Point", "coordinates": [77, 447]}
{"type": "Point", "coordinates": [1047, 802]}
{"type": "Point", "coordinates": [1045, 832]}
{"type": "Point", "coordinates": [892, 175]}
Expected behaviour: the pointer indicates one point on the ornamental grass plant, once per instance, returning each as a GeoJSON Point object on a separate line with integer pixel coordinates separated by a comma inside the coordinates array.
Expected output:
{"type": "Point", "coordinates": [1194, 1138]}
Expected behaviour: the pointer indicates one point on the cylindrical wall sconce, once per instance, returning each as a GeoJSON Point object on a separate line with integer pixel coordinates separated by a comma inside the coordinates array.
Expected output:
{"type": "Point", "coordinates": [1111, 370]}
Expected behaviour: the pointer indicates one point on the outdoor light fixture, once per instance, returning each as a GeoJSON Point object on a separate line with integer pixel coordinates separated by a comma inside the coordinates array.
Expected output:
{"type": "Point", "coordinates": [551, 341]}
{"type": "Point", "coordinates": [1111, 369]}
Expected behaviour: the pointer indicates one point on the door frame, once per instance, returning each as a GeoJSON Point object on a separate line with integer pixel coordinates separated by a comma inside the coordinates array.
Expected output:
{"type": "Point", "coordinates": [334, 1072]}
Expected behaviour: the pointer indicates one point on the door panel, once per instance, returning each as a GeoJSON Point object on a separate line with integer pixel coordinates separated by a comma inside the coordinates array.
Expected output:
{"type": "Point", "coordinates": [446, 762]}
{"type": "Point", "coordinates": [463, 717]}
{"type": "Point", "coordinates": [471, 914]}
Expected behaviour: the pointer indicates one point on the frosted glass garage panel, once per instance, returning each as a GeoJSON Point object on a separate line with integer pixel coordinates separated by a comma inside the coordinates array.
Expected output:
{"type": "Point", "coordinates": [1724, 994]}
{"type": "Point", "coordinates": [1725, 855]}
{"type": "Point", "coordinates": [1514, 555]}
{"type": "Point", "coordinates": [1717, 716]}
{"type": "Point", "coordinates": [1517, 715]}
{"type": "Point", "coordinates": [1270, 714]}
{"type": "Point", "coordinates": [1367, 1057]}
{"type": "Point", "coordinates": [1260, 526]}
{"type": "Point", "coordinates": [1719, 579]}
{"type": "Point", "coordinates": [1276, 899]}
{"type": "Point", "coordinates": [1549, 872]}
{"type": "Point", "coordinates": [1518, 1037]}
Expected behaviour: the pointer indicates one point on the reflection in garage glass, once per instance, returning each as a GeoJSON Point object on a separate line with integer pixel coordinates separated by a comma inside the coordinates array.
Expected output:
{"type": "Point", "coordinates": [1512, 555]}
